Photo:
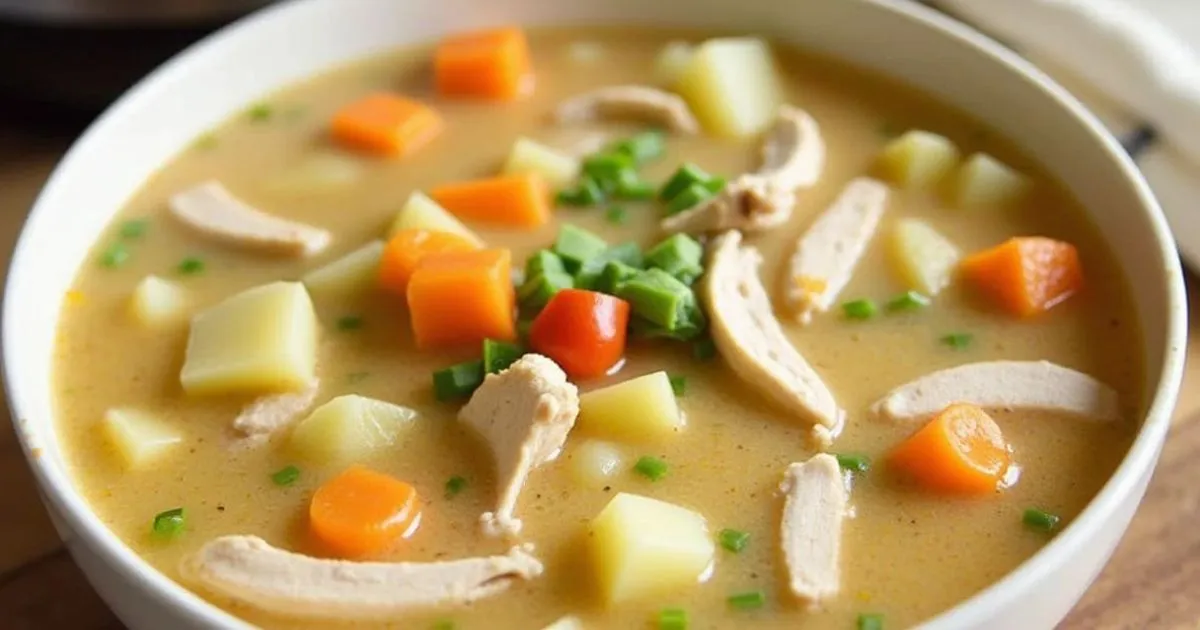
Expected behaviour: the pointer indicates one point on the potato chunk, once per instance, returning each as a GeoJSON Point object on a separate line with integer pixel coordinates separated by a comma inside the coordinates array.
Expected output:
{"type": "Point", "coordinates": [917, 159]}
{"type": "Point", "coordinates": [640, 409]}
{"type": "Point", "coordinates": [594, 463]}
{"type": "Point", "coordinates": [732, 86]}
{"type": "Point", "coordinates": [644, 547]}
{"type": "Point", "coordinates": [923, 258]}
{"type": "Point", "coordinates": [156, 302]}
{"type": "Point", "coordinates": [262, 339]}
{"type": "Point", "coordinates": [349, 428]}
{"type": "Point", "coordinates": [422, 213]}
{"type": "Point", "coordinates": [138, 437]}
{"type": "Point", "coordinates": [982, 180]}
{"type": "Point", "coordinates": [355, 272]}
{"type": "Point", "coordinates": [527, 156]}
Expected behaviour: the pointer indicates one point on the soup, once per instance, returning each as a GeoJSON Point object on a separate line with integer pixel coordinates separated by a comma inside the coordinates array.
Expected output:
{"type": "Point", "coordinates": [769, 342]}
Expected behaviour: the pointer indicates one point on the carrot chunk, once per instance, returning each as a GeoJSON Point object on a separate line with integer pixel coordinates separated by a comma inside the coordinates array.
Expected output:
{"type": "Point", "coordinates": [583, 331]}
{"type": "Point", "coordinates": [492, 64]}
{"type": "Point", "coordinates": [1026, 275]}
{"type": "Point", "coordinates": [361, 512]}
{"type": "Point", "coordinates": [960, 451]}
{"type": "Point", "coordinates": [513, 200]}
{"type": "Point", "coordinates": [462, 298]}
{"type": "Point", "coordinates": [406, 249]}
{"type": "Point", "coordinates": [386, 124]}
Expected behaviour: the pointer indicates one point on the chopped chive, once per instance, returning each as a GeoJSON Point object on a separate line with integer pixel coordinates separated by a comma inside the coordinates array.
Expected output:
{"type": "Point", "coordinates": [498, 355]}
{"type": "Point", "coordinates": [587, 193]}
{"type": "Point", "coordinates": [260, 112]}
{"type": "Point", "coordinates": [457, 381]}
{"type": "Point", "coordinates": [687, 198]}
{"type": "Point", "coordinates": [749, 600]}
{"type": "Point", "coordinates": [733, 540]}
{"type": "Point", "coordinates": [661, 299]}
{"type": "Point", "coordinates": [205, 141]}
{"type": "Point", "coordinates": [634, 190]}
{"type": "Point", "coordinates": [679, 255]}
{"type": "Point", "coordinates": [350, 322]}
{"type": "Point", "coordinates": [854, 463]}
{"type": "Point", "coordinates": [286, 476]}
{"type": "Point", "coordinates": [537, 290]}
{"type": "Point", "coordinates": [455, 485]}
{"type": "Point", "coordinates": [958, 341]}
{"type": "Point", "coordinates": [115, 256]}
{"type": "Point", "coordinates": [1040, 520]}
{"type": "Point", "coordinates": [134, 228]}
{"type": "Point", "coordinates": [590, 273]}
{"type": "Point", "coordinates": [678, 384]}
{"type": "Point", "coordinates": [190, 266]}
{"type": "Point", "coordinates": [685, 176]}
{"type": "Point", "coordinates": [870, 621]}
{"type": "Point", "coordinates": [614, 276]}
{"type": "Point", "coordinates": [576, 246]}
{"type": "Point", "coordinates": [704, 349]}
{"type": "Point", "coordinates": [907, 301]}
{"type": "Point", "coordinates": [169, 524]}
{"type": "Point", "coordinates": [859, 309]}
{"type": "Point", "coordinates": [616, 215]}
{"type": "Point", "coordinates": [651, 467]}
{"type": "Point", "coordinates": [542, 261]}
{"type": "Point", "coordinates": [608, 167]}
{"type": "Point", "coordinates": [643, 147]}
{"type": "Point", "coordinates": [714, 184]}
{"type": "Point", "coordinates": [355, 377]}
{"type": "Point", "coordinates": [672, 619]}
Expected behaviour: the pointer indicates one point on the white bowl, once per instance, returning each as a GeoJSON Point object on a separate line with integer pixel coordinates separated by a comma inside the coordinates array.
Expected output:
{"type": "Point", "coordinates": [217, 77]}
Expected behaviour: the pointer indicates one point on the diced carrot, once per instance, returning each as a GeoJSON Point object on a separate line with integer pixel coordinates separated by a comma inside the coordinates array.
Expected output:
{"type": "Point", "coordinates": [408, 247]}
{"type": "Point", "coordinates": [491, 64]}
{"type": "Point", "coordinates": [386, 123]}
{"type": "Point", "coordinates": [960, 451]}
{"type": "Point", "coordinates": [361, 512]}
{"type": "Point", "coordinates": [1026, 275]}
{"type": "Point", "coordinates": [583, 331]}
{"type": "Point", "coordinates": [457, 299]}
{"type": "Point", "coordinates": [521, 200]}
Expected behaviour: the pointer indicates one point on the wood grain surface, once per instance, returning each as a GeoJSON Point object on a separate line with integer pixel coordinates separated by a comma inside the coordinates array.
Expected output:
{"type": "Point", "coordinates": [1153, 580]}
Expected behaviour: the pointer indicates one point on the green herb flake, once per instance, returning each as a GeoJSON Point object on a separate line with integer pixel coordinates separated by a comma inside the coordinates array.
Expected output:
{"type": "Point", "coordinates": [457, 381]}
{"type": "Point", "coordinates": [651, 467]}
{"type": "Point", "coordinates": [733, 539]}
{"type": "Point", "coordinates": [498, 355]}
{"type": "Point", "coordinates": [260, 112]}
{"type": "Point", "coordinates": [1040, 520]}
{"type": "Point", "coordinates": [958, 341]}
{"type": "Point", "coordinates": [616, 215]}
{"type": "Point", "coordinates": [859, 309]}
{"type": "Point", "coordinates": [672, 619]}
{"type": "Point", "coordinates": [750, 600]}
{"type": "Point", "coordinates": [854, 463]}
{"type": "Point", "coordinates": [678, 384]}
{"type": "Point", "coordinates": [870, 621]}
{"type": "Point", "coordinates": [190, 266]}
{"type": "Point", "coordinates": [907, 301]}
{"type": "Point", "coordinates": [115, 256]}
{"type": "Point", "coordinates": [169, 524]}
{"type": "Point", "coordinates": [455, 485]}
{"type": "Point", "coordinates": [135, 228]}
{"type": "Point", "coordinates": [350, 322]}
{"type": "Point", "coordinates": [286, 476]}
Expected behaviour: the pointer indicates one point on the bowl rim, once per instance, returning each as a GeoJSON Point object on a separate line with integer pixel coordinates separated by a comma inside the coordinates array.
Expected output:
{"type": "Point", "coordinates": [58, 490]}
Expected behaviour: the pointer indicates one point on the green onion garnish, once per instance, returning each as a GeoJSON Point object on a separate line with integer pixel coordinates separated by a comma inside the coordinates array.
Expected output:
{"type": "Point", "coordinates": [714, 184]}
{"type": "Point", "coordinates": [350, 322]}
{"type": "Point", "coordinates": [260, 112]}
{"type": "Point", "coordinates": [734, 540]}
{"type": "Point", "coordinates": [170, 523]}
{"type": "Point", "coordinates": [1040, 520]}
{"type": "Point", "coordinates": [651, 467]}
{"type": "Point", "coordinates": [679, 255]}
{"type": "Point", "coordinates": [687, 198]}
{"type": "Point", "coordinates": [115, 256]}
{"type": "Point", "coordinates": [643, 147]}
{"type": "Point", "coordinates": [859, 309]}
{"type": "Point", "coordinates": [634, 190]}
{"type": "Point", "coordinates": [455, 485]}
{"type": "Point", "coordinates": [870, 621]}
{"type": "Point", "coordinates": [190, 266]}
{"type": "Point", "coordinates": [704, 349]}
{"type": "Point", "coordinates": [907, 301]}
{"type": "Point", "coordinates": [134, 228]}
{"type": "Point", "coordinates": [958, 341]}
{"type": "Point", "coordinates": [537, 290]}
{"type": "Point", "coordinates": [854, 463]}
{"type": "Point", "coordinates": [749, 600]}
{"type": "Point", "coordinates": [586, 193]}
{"type": "Point", "coordinates": [616, 215]}
{"type": "Point", "coordinates": [608, 167]}
{"type": "Point", "coordinates": [686, 175]}
{"type": "Point", "coordinates": [672, 619]}
{"type": "Point", "coordinates": [498, 355]}
{"type": "Point", "coordinates": [576, 246]}
{"type": "Point", "coordinates": [678, 384]}
{"type": "Point", "coordinates": [457, 381]}
{"type": "Point", "coordinates": [286, 476]}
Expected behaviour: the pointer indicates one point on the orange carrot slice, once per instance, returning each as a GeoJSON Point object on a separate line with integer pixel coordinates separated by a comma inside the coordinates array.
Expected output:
{"type": "Point", "coordinates": [387, 124]}
{"type": "Point", "coordinates": [457, 299]}
{"type": "Point", "coordinates": [361, 512]}
{"type": "Point", "coordinates": [513, 200]}
{"type": "Point", "coordinates": [492, 64]}
{"type": "Point", "coordinates": [960, 451]}
{"type": "Point", "coordinates": [408, 247]}
{"type": "Point", "coordinates": [1026, 275]}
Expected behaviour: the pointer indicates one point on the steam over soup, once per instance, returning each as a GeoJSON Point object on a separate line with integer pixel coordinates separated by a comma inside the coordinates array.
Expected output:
{"type": "Point", "coordinates": [607, 328]}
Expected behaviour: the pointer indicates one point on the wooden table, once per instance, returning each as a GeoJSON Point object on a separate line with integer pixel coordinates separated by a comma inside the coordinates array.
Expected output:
{"type": "Point", "coordinates": [1153, 580]}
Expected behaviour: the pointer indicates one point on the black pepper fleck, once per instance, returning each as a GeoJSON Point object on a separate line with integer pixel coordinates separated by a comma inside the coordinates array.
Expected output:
{"type": "Point", "coordinates": [607, 488]}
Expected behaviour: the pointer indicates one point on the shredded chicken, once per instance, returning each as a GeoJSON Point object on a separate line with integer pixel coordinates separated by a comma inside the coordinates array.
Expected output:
{"type": "Point", "coordinates": [829, 251]}
{"type": "Point", "coordinates": [212, 210]}
{"type": "Point", "coordinates": [524, 415]}
{"type": "Point", "coordinates": [268, 414]}
{"type": "Point", "coordinates": [631, 102]}
{"type": "Point", "coordinates": [1033, 385]}
{"type": "Point", "coordinates": [751, 340]}
{"type": "Point", "coordinates": [811, 529]}
{"type": "Point", "coordinates": [250, 571]}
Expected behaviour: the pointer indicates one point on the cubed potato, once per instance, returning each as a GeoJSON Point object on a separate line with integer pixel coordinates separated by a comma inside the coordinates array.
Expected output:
{"type": "Point", "coordinates": [595, 462]}
{"type": "Point", "coordinates": [262, 339]}
{"type": "Point", "coordinates": [732, 86]}
{"type": "Point", "coordinates": [558, 169]}
{"type": "Point", "coordinates": [355, 272]}
{"type": "Point", "coordinates": [642, 548]}
{"type": "Point", "coordinates": [422, 213]}
{"type": "Point", "coordinates": [923, 258]}
{"type": "Point", "coordinates": [156, 301]}
{"type": "Point", "coordinates": [349, 428]}
{"type": "Point", "coordinates": [982, 180]}
{"type": "Point", "coordinates": [320, 172]}
{"type": "Point", "coordinates": [671, 61]}
{"type": "Point", "coordinates": [640, 409]}
{"type": "Point", "coordinates": [917, 159]}
{"type": "Point", "coordinates": [138, 437]}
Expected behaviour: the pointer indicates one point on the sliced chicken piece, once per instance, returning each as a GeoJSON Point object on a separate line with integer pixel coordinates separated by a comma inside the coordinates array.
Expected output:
{"type": "Point", "coordinates": [793, 156]}
{"type": "Point", "coordinates": [212, 210]}
{"type": "Point", "coordinates": [814, 507]}
{"type": "Point", "coordinates": [248, 570]}
{"type": "Point", "coordinates": [268, 414]}
{"type": "Point", "coordinates": [1032, 385]}
{"type": "Point", "coordinates": [638, 102]}
{"type": "Point", "coordinates": [751, 340]}
{"type": "Point", "coordinates": [524, 415]}
{"type": "Point", "coordinates": [829, 251]}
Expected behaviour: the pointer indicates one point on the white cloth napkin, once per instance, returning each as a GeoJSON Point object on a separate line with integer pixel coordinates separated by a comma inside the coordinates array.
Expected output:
{"type": "Point", "coordinates": [1136, 65]}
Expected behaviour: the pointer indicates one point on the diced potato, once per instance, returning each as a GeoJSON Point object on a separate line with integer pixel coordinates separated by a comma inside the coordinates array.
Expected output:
{"type": "Point", "coordinates": [642, 548]}
{"type": "Point", "coordinates": [594, 462]}
{"type": "Point", "coordinates": [139, 438]}
{"type": "Point", "coordinates": [156, 301]}
{"type": "Point", "coordinates": [355, 272]}
{"type": "Point", "coordinates": [732, 86]}
{"type": "Point", "coordinates": [671, 61]}
{"type": "Point", "coordinates": [324, 171]}
{"type": "Point", "coordinates": [982, 180]}
{"type": "Point", "coordinates": [349, 428]}
{"type": "Point", "coordinates": [918, 159]}
{"type": "Point", "coordinates": [639, 409]}
{"type": "Point", "coordinates": [923, 258]}
{"type": "Point", "coordinates": [422, 213]}
{"type": "Point", "coordinates": [262, 339]}
{"type": "Point", "coordinates": [569, 622]}
{"type": "Point", "coordinates": [559, 170]}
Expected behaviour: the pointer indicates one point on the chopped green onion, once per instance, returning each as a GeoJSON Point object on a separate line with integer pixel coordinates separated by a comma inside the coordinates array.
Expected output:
{"type": "Point", "coordinates": [577, 246]}
{"type": "Point", "coordinates": [350, 322]}
{"type": "Point", "coordinates": [733, 540]}
{"type": "Point", "coordinates": [587, 193]}
{"type": "Point", "coordinates": [907, 301]}
{"type": "Point", "coordinates": [685, 176]}
{"type": "Point", "coordinates": [536, 291]}
{"type": "Point", "coordinates": [749, 600]}
{"type": "Point", "coordinates": [614, 276]}
{"type": "Point", "coordinates": [634, 190]}
{"type": "Point", "coordinates": [689, 197]}
{"type": "Point", "coordinates": [651, 467]}
{"type": "Point", "coordinates": [672, 619]}
{"type": "Point", "coordinates": [870, 622]}
{"type": "Point", "coordinates": [286, 476]}
{"type": "Point", "coordinates": [457, 381]}
{"type": "Point", "coordinates": [355, 377]}
{"type": "Point", "coordinates": [1040, 520]}
{"type": "Point", "coordinates": [704, 349]}
{"type": "Point", "coordinates": [859, 309]}
{"type": "Point", "coordinates": [455, 485]}
{"type": "Point", "coordinates": [205, 141]}
{"type": "Point", "coordinates": [115, 256]}
{"type": "Point", "coordinates": [643, 147]}
{"type": "Point", "coordinates": [661, 299]}
{"type": "Point", "coordinates": [134, 228]}
{"type": "Point", "coordinates": [616, 215]}
{"type": "Point", "coordinates": [542, 261]}
{"type": "Point", "coordinates": [678, 384]}
{"type": "Point", "coordinates": [608, 167]}
{"type": "Point", "coordinates": [169, 524]}
{"type": "Point", "coordinates": [714, 184]}
{"type": "Point", "coordinates": [498, 355]}
{"type": "Point", "coordinates": [854, 463]}
{"type": "Point", "coordinates": [589, 275]}
{"type": "Point", "coordinates": [679, 255]}
{"type": "Point", "coordinates": [190, 266]}
{"type": "Point", "coordinates": [958, 341]}
{"type": "Point", "coordinates": [260, 112]}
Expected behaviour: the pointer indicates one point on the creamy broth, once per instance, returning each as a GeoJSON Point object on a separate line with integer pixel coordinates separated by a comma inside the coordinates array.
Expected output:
{"type": "Point", "coordinates": [906, 554]}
